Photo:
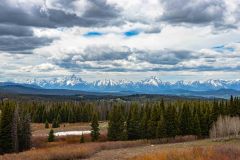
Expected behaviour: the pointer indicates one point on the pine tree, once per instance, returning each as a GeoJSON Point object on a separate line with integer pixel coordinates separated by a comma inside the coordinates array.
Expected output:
{"type": "Point", "coordinates": [208, 122]}
{"type": "Point", "coordinates": [27, 134]}
{"type": "Point", "coordinates": [95, 128]}
{"type": "Point", "coordinates": [161, 129]}
{"type": "Point", "coordinates": [82, 138]}
{"type": "Point", "coordinates": [46, 124]}
{"type": "Point", "coordinates": [55, 124]}
{"type": "Point", "coordinates": [144, 125]}
{"type": "Point", "coordinates": [197, 128]}
{"type": "Point", "coordinates": [51, 136]}
{"type": "Point", "coordinates": [15, 124]}
{"type": "Point", "coordinates": [203, 122]}
{"type": "Point", "coordinates": [21, 132]}
{"type": "Point", "coordinates": [24, 132]}
{"type": "Point", "coordinates": [238, 106]}
{"type": "Point", "coordinates": [112, 124]}
{"type": "Point", "coordinates": [162, 105]}
{"type": "Point", "coordinates": [170, 119]}
{"type": "Point", "coordinates": [152, 123]}
{"type": "Point", "coordinates": [6, 128]}
{"type": "Point", "coordinates": [133, 123]}
{"type": "Point", "coordinates": [116, 127]}
{"type": "Point", "coordinates": [186, 127]}
{"type": "Point", "coordinates": [70, 116]}
{"type": "Point", "coordinates": [231, 106]}
{"type": "Point", "coordinates": [122, 130]}
{"type": "Point", "coordinates": [45, 115]}
{"type": "Point", "coordinates": [215, 112]}
{"type": "Point", "coordinates": [58, 120]}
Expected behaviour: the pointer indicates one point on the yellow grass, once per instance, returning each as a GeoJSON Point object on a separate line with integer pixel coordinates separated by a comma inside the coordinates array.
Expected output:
{"type": "Point", "coordinates": [69, 151]}
{"type": "Point", "coordinates": [219, 152]}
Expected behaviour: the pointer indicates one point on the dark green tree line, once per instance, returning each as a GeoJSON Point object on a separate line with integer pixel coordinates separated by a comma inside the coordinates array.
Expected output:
{"type": "Point", "coordinates": [15, 131]}
{"type": "Point", "coordinates": [169, 119]}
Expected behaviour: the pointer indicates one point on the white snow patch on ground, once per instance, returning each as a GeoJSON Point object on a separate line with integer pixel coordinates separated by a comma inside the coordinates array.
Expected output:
{"type": "Point", "coordinates": [75, 133]}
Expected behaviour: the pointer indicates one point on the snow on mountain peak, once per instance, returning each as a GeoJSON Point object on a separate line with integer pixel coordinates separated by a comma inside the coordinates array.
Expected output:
{"type": "Point", "coordinates": [215, 83]}
{"type": "Point", "coordinates": [155, 83]}
{"type": "Point", "coordinates": [73, 80]}
{"type": "Point", "coordinates": [105, 82]}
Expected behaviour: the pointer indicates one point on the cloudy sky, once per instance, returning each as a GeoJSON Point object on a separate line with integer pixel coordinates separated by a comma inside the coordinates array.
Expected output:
{"type": "Point", "coordinates": [120, 39]}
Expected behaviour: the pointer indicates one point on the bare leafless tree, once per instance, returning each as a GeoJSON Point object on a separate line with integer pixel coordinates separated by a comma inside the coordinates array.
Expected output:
{"type": "Point", "coordinates": [225, 126]}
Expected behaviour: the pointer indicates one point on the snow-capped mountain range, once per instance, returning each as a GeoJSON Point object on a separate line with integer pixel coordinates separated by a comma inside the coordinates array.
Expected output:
{"type": "Point", "coordinates": [149, 85]}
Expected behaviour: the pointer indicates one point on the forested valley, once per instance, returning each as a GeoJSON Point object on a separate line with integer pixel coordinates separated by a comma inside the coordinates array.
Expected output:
{"type": "Point", "coordinates": [127, 120]}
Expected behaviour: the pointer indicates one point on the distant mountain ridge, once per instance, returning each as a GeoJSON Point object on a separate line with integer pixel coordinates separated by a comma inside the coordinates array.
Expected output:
{"type": "Point", "coordinates": [72, 85]}
{"type": "Point", "coordinates": [151, 85]}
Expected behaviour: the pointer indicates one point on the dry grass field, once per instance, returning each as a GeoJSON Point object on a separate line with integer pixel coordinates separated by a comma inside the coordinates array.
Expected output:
{"type": "Point", "coordinates": [195, 150]}
{"type": "Point", "coordinates": [134, 150]}
{"type": "Point", "coordinates": [218, 152]}
{"type": "Point", "coordinates": [70, 151]}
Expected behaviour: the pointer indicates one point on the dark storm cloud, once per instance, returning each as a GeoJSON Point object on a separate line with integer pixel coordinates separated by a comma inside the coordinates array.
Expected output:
{"type": "Point", "coordinates": [99, 9]}
{"type": "Point", "coordinates": [14, 30]}
{"type": "Point", "coordinates": [153, 30]}
{"type": "Point", "coordinates": [193, 11]}
{"type": "Point", "coordinates": [65, 3]}
{"type": "Point", "coordinates": [98, 14]}
{"type": "Point", "coordinates": [21, 45]}
{"type": "Point", "coordinates": [101, 55]}
{"type": "Point", "coordinates": [169, 57]}
{"type": "Point", "coordinates": [16, 22]}
{"type": "Point", "coordinates": [104, 54]}
{"type": "Point", "coordinates": [70, 63]}
{"type": "Point", "coordinates": [17, 15]}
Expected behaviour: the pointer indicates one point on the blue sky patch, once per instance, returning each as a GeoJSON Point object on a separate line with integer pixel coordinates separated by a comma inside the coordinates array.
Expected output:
{"type": "Point", "coordinates": [222, 48]}
{"type": "Point", "coordinates": [230, 49]}
{"type": "Point", "coordinates": [131, 33]}
{"type": "Point", "coordinates": [93, 34]}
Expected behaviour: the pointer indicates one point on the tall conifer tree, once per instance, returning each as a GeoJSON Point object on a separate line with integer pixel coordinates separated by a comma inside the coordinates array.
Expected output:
{"type": "Point", "coordinates": [6, 140]}
{"type": "Point", "coordinates": [95, 128]}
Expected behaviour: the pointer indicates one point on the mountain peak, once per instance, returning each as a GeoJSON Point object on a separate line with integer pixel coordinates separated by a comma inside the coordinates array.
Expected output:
{"type": "Point", "coordinates": [105, 82]}
{"type": "Point", "coordinates": [153, 80]}
{"type": "Point", "coordinates": [73, 80]}
{"type": "Point", "coordinates": [151, 84]}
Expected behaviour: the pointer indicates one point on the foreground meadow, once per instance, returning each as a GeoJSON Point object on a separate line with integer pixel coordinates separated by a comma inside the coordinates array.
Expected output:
{"type": "Point", "coordinates": [133, 150]}
{"type": "Point", "coordinates": [194, 150]}
{"type": "Point", "coordinates": [69, 147]}
{"type": "Point", "coordinates": [218, 152]}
